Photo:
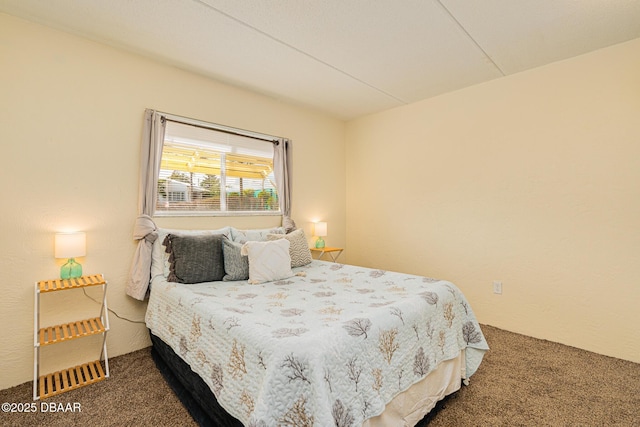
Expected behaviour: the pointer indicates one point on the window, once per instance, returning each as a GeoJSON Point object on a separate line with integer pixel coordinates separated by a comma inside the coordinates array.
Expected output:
{"type": "Point", "coordinates": [208, 171]}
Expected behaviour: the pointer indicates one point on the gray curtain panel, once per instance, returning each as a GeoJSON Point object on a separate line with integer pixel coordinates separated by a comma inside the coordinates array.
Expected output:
{"type": "Point", "coordinates": [145, 229]}
{"type": "Point", "coordinates": [282, 170]}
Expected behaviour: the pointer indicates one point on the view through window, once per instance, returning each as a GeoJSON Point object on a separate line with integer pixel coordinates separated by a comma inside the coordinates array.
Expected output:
{"type": "Point", "coordinates": [208, 171]}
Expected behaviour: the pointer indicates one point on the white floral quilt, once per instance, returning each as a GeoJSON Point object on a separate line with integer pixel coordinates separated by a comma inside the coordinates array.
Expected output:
{"type": "Point", "coordinates": [330, 348]}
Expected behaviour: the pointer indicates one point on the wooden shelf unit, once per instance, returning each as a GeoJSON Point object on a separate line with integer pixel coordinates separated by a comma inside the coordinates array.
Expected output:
{"type": "Point", "coordinates": [77, 376]}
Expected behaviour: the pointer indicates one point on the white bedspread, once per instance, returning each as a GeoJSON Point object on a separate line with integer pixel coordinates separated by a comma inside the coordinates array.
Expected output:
{"type": "Point", "coordinates": [330, 348]}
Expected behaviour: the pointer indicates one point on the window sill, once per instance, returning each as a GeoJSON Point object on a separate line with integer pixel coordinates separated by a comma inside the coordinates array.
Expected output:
{"type": "Point", "coordinates": [215, 214]}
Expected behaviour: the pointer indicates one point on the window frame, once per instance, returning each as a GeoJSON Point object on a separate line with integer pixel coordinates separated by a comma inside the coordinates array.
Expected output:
{"type": "Point", "coordinates": [224, 129]}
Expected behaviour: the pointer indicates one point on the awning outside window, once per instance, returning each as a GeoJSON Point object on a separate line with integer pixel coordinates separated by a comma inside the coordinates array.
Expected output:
{"type": "Point", "coordinates": [183, 158]}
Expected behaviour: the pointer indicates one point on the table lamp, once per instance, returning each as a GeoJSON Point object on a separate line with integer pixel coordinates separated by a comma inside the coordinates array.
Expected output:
{"type": "Point", "coordinates": [320, 230]}
{"type": "Point", "coordinates": [70, 245]}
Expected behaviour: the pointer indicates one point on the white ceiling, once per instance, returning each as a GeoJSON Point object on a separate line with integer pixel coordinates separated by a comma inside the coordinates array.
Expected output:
{"type": "Point", "coordinates": [346, 57]}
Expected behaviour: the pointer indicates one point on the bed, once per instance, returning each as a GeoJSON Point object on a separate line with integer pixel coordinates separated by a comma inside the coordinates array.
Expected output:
{"type": "Point", "coordinates": [326, 344]}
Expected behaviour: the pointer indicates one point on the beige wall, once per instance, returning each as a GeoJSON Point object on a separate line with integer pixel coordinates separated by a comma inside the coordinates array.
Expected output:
{"type": "Point", "coordinates": [532, 180]}
{"type": "Point", "coordinates": [71, 114]}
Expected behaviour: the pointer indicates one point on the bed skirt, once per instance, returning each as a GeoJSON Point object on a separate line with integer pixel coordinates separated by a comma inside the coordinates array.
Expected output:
{"type": "Point", "coordinates": [411, 406]}
{"type": "Point", "coordinates": [193, 392]}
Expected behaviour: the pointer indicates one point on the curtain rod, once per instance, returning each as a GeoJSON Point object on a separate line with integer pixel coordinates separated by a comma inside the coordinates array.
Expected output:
{"type": "Point", "coordinates": [220, 128]}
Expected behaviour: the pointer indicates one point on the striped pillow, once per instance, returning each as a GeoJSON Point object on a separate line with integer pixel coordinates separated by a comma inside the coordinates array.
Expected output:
{"type": "Point", "coordinates": [298, 247]}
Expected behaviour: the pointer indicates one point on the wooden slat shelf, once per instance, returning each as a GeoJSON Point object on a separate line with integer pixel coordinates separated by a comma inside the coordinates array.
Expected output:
{"type": "Point", "coordinates": [69, 331]}
{"type": "Point", "coordinates": [78, 376]}
{"type": "Point", "coordinates": [63, 284]}
{"type": "Point", "coordinates": [70, 379]}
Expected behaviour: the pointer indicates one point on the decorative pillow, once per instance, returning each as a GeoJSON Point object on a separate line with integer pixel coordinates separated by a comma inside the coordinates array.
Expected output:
{"type": "Point", "coordinates": [159, 256]}
{"type": "Point", "coordinates": [298, 249]}
{"type": "Point", "coordinates": [236, 265]}
{"type": "Point", "coordinates": [288, 224]}
{"type": "Point", "coordinates": [195, 259]}
{"type": "Point", "coordinates": [254, 235]}
{"type": "Point", "coordinates": [268, 261]}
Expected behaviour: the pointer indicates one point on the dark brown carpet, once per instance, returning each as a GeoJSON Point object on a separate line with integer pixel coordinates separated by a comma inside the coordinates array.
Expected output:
{"type": "Point", "coordinates": [522, 382]}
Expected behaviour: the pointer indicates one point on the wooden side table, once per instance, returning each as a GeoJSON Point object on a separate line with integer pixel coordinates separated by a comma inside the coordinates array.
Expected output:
{"type": "Point", "coordinates": [334, 253]}
{"type": "Point", "coordinates": [77, 376]}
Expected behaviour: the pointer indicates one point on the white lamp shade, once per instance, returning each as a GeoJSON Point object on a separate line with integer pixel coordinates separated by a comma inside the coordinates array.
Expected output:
{"type": "Point", "coordinates": [70, 245]}
{"type": "Point", "coordinates": [320, 229]}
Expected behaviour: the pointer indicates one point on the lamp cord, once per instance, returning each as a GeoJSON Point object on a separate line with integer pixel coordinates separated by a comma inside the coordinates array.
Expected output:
{"type": "Point", "coordinates": [110, 310]}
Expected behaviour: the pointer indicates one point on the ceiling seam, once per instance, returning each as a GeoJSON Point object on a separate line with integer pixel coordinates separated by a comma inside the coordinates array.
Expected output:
{"type": "Point", "coordinates": [283, 43]}
{"type": "Point", "coordinates": [459, 24]}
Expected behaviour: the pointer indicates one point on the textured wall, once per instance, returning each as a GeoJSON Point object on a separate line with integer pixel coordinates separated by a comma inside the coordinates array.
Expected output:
{"type": "Point", "coordinates": [71, 115]}
{"type": "Point", "coordinates": [532, 180]}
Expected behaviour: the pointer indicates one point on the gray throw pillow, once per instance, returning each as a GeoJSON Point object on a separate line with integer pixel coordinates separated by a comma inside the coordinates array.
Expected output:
{"type": "Point", "coordinates": [236, 265]}
{"type": "Point", "coordinates": [194, 259]}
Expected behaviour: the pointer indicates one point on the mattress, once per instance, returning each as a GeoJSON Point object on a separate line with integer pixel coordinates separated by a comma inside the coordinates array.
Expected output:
{"type": "Point", "coordinates": [334, 345]}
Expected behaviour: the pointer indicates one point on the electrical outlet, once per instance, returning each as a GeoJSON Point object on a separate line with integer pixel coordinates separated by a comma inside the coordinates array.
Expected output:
{"type": "Point", "coordinates": [497, 287]}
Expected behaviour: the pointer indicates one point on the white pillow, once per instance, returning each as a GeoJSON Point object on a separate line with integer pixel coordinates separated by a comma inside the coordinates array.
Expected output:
{"type": "Point", "coordinates": [268, 261]}
{"type": "Point", "coordinates": [299, 249]}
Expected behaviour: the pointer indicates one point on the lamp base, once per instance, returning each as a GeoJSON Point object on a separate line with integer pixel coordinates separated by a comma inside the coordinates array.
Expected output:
{"type": "Point", "coordinates": [71, 269]}
{"type": "Point", "coordinates": [319, 243]}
